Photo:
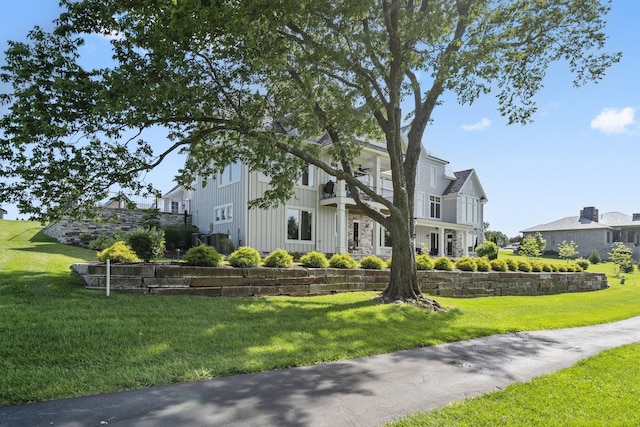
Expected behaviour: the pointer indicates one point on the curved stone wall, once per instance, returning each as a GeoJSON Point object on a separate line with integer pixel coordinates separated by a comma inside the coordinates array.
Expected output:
{"type": "Point", "coordinates": [243, 282]}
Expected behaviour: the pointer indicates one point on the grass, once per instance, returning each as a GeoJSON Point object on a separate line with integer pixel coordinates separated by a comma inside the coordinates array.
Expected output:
{"type": "Point", "coordinates": [600, 391]}
{"type": "Point", "coordinates": [61, 340]}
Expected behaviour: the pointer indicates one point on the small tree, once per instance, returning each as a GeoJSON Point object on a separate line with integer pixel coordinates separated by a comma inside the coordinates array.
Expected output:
{"type": "Point", "coordinates": [532, 246]}
{"type": "Point", "coordinates": [488, 249]}
{"type": "Point", "coordinates": [594, 258]}
{"type": "Point", "coordinates": [567, 250]}
{"type": "Point", "coordinates": [622, 257]}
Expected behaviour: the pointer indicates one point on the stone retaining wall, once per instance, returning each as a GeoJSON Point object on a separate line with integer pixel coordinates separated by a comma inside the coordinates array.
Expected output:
{"type": "Point", "coordinates": [68, 231]}
{"type": "Point", "coordinates": [299, 281]}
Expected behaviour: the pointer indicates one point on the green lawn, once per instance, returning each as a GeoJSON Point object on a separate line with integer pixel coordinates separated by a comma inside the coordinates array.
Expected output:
{"type": "Point", "coordinates": [60, 340]}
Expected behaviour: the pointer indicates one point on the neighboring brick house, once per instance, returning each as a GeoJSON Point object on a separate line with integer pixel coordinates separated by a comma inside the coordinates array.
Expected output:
{"type": "Point", "coordinates": [322, 215]}
{"type": "Point", "coordinates": [590, 231]}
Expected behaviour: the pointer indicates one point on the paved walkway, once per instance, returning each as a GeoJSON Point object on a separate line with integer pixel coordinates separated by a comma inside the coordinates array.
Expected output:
{"type": "Point", "coordinates": [361, 392]}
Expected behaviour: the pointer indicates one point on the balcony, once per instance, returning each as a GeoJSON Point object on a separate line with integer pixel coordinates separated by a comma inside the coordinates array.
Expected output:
{"type": "Point", "coordinates": [334, 194]}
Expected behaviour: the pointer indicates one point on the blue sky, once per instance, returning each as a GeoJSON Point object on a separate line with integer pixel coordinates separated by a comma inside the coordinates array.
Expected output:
{"type": "Point", "coordinates": [583, 148]}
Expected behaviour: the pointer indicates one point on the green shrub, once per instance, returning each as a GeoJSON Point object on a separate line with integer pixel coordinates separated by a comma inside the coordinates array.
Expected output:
{"type": "Point", "coordinates": [178, 236]}
{"type": "Point", "coordinates": [424, 262]}
{"type": "Point", "coordinates": [524, 266]}
{"type": "Point", "coordinates": [555, 267]}
{"type": "Point", "coordinates": [102, 242]}
{"type": "Point", "coordinates": [536, 265]}
{"type": "Point", "coordinates": [342, 261]}
{"type": "Point", "coordinates": [443, 263]}
{"type": "Point", "coordinates": [314, 259]}
{"type": "Point", "coordinates": [466, 264]}
{"type": "Point", "coordinates": [488, 249]}
{"type": "Point", "coordinates": [244, 257]}
{"type": "Point", "coordinates": [483, 264]}
{"type": "Point", "coordinates": [203, 255]}
{"type": "Point", "coordinates": [147, 243]}
{"type": "Point", "coordinates": [372, 262]}
{"type": "Point", "coordinates": [583, 263]}
{"type": "Point", "coordinates": [547, 267]}
{"type": "Point", "coordinates": [85, 237]}
{"type": "Point", "coordinates": [594, 258]}
{"type": "Point", "coordinates": [388, 262]}
{"type": "Point", "coordinates": [499, 265]}
{"type": "Point", "coordinates": [562, 268]}
{"type": "Point", "coordinates": [118, 252]}
{"type": "Point", "coordinates": [279, 259]}
{"type": "Point", "coordinates": [512, 264]}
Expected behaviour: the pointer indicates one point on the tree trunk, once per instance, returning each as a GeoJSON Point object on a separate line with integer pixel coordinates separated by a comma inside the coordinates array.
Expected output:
{"type": "Point", "coordinates": [403, 283]}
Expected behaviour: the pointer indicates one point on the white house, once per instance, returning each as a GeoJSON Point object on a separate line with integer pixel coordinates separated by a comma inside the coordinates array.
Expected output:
{"type": "Point", "coordinates": [322, 216]}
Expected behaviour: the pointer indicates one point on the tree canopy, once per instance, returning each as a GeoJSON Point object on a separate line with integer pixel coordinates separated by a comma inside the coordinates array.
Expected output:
{"type": "Point", "coordinates": [254, 79]}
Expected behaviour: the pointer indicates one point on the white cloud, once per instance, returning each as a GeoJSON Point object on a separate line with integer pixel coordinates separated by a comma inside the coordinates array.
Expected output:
{"type": "Point", "coordinates": [614, 121]}
{"type": "Point", "coordinates": [481, 125]}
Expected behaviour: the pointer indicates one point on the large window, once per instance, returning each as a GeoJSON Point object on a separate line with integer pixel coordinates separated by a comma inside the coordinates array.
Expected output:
{"type": "Point", "coordinates": [420, 205]}
{"type": "Point", "coordinates": [299, 225]}
{"type": "Point", "coordinates": [435, 207]}
{"type": "Point", "coordinates": [230, 174]}
{"type": "Point", "coordinates": [307, 177]}
{"type": "Point", "coordinates": [223, 214]}
{"type": "Point", "coordinates": [470, 206]}
{"type": "Point", "coordinates": [385, 237]}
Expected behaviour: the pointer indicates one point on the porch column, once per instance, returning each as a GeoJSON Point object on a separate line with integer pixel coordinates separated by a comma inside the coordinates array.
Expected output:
{"type": "Point", "coordinates": [342, 238]}
{"type": "Point", "coordinates": [465, 244]}
{"type": "Point", "coordinates": [441, 247]}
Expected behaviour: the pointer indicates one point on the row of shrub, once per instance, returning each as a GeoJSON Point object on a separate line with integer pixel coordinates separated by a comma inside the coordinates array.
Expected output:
{"type": "Point", "coordinates": [246, 257]}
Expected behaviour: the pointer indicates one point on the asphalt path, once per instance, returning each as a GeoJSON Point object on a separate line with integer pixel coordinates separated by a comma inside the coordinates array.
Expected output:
{"type": "Point", "coordinates": [368, 391]}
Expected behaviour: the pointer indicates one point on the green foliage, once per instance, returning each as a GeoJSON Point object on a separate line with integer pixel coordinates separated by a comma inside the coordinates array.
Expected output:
{"type": "Point", "coordinates": [567, 250]}
{"type": "Point", "coordinates": [147, 243]}
{"type": "Point", "coordinates": [102, 242]}
{"type": "Point", "coordinates": [424, 262]}
{"type": "Point", "coordinates": [204, 256]}
{"type": "Point", "coordinates": [279, 259]}
{"type": "Point", "coordinates": [532, 245]}
{"type": "Point", "coordinates": [342, 261]}
{"type": "Point", "coordinates": [466, 264]}
{"type": "Point", "coordinates": [497, 237]}
{"type": "Point", "coordinates": [119, 253]}
{"type": "Point", "coordinates": [595, 258]}
{"type": "Point", "coordinates": [512, 264]}
{"type": "Point", "coordinates": [524, 266]}
{"type": "Point", "coordinates": [443, 263]}
{"type": "Point", "coordinates": [85, 237]}
{"type": "Point", "coordinates": [178, 236]}
{"type": "Point", "coordinates": [583, 263]}
{"type": "Point", "coordinates": [244, 257]}
{"type": "Point", "coordinates": [499, 265]}
{"type": "Point", "coordinates": [536, 265]}
{"type": "Point", "coordinates": [314, 259]}
{"type": "Point", "coordinates": [561, 268]}
{"type": "Point", "coordinates": [150, 218]}
{"type": "Point", "coordinates": [488, 249]}
{"type": "Point", "coordinates": [622, 257]}
{"type": "Point", "coordinates": [547, 267]}
{"type": "Point", "coordinates": [483, 264]}
{"type": "Point", "coordinates": [372, 262]}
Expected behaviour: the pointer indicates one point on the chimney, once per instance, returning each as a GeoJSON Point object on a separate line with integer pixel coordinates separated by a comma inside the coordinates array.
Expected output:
{"type": "Point", "coordinates": [590, 213]}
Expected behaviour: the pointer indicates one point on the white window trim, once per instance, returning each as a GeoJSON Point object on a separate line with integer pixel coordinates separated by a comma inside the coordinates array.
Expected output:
{"type": "Point", "coordinates": [233, 179]}
{"type": "Point", "coordinates": [218, 212]}
{"type": "Point", "coordinates": [439, 203]}
{"type": "Point", "coordinates": [312, 174]}
{"type": "Point", "coordinates": [313, 228]}
{"type": "Point", "coordinates": [433, 176]}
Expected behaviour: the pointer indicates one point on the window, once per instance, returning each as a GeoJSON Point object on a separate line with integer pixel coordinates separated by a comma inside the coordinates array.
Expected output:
{"type": "Point", "coordinates": [434, 176]}
{"type": "Point", "coordinates": [470, 209]}
{"type": "Point", "coordinates": [435, 204]}
{"type": "Point", "coordinates": [385, 237]}
{"type": "Point", "coordinates": [420, 206]}
{"type": "Point", "coordinates": [299, 225]}
{"type": "Point", "coordinates": [230, 174]}
{"type": "Point", "coordinates": [307, 177]}
{"type": "Point", "coordinates": [223, 214]}
{"type": "Point", "coordinates": [175, 207]}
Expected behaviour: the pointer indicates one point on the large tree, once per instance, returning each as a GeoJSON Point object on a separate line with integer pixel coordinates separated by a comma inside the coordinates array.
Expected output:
{"type": "Point", "coordinates": [255, 79]}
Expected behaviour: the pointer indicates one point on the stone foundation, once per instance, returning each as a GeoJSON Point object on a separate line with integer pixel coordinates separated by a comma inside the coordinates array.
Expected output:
{"type": "Point", "coordinates": [299, 281]}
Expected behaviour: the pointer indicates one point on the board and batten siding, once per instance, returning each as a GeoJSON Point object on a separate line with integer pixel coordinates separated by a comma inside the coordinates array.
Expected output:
{"type": "Point", "coordinates": [205, 201]}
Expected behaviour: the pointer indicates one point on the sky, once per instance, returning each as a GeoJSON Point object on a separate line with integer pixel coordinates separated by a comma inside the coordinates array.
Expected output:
{"type": "Point", "coordinates": [583, 148]}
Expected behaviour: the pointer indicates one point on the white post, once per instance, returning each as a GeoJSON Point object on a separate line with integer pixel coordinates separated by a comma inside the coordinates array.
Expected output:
{"type": "Point", "coordinates": [108, 276]}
